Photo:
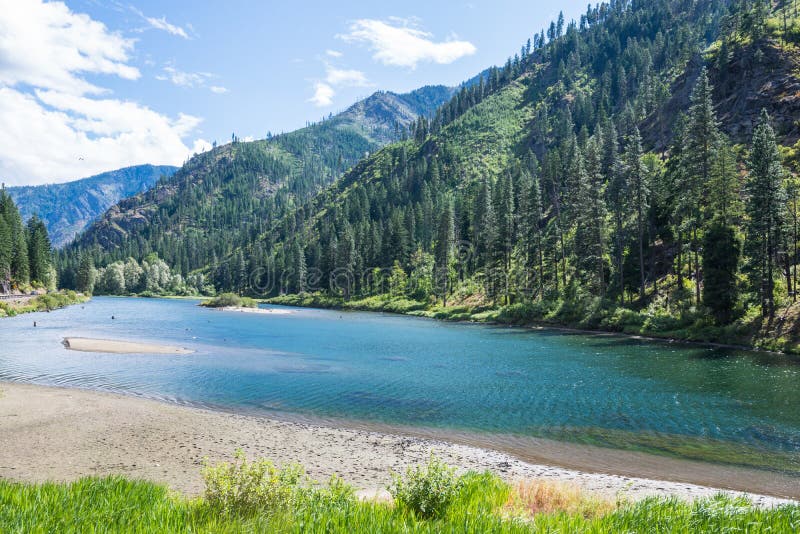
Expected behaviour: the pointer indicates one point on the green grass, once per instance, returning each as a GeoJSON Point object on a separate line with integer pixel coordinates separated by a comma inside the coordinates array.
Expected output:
{"type": "Point", "coordinates": [115, 504]}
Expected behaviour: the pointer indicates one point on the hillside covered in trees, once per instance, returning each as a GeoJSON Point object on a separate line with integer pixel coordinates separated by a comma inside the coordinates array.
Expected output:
{"type": "Point", "coordinates": [223, 199]}
{"type": "Point", "coordinates": [67, 209]}
{"type": "Point", "coordinates": [633, 170]}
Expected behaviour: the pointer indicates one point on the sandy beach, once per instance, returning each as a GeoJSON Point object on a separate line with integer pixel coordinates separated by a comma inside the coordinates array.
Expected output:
{"type": "Point", "coordinates": [83, 344]}
{"type": "Point", "coordinates": [62, 434]}
{"type": "Point", "coordinates": [265, 311]}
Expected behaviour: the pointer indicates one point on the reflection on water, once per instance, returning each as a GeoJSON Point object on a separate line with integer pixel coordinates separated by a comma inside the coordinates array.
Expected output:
{"type": "Point", "coordinates": [713, 404]}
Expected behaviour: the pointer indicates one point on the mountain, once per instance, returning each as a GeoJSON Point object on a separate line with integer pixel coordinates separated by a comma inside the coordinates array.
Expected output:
{"type": "Point", "coordinates": [622, 172]}
{"type": "Point", "coordinates": [221, 199]}
{"type": "Point", "coordinates": [382, 116]}
{"type": "Point", "coordinates": [68, 208]}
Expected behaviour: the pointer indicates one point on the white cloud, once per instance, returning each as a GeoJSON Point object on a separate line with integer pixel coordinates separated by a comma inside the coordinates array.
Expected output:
{"type": "Point", "coordinates": [200, 146]}
{"type": "Point", "coordinates": [58, 126]}
{"type": "Point", "coordinates": [46, 45]}
{"type": "Point", "coordinates": [190, 79]}
{"type": "Point", "coordinates": [324, 90]}
{"type": "Point", "coordinates": [162, 24]}
{"type": "Point", "coordinates": [333, 53]}
{"type": "Point", "coordinates": [159, 24]}
{"type": "Point", "coordinates": [323, 95]}
{"type": "Point", "coordinates": [345, 77]}
{"type": "Point", "coordinates": [181, 78]}
{"type": "Point", "coordinates": [404, 45]}
{"type": "Point", "coordinates": [54, 137]}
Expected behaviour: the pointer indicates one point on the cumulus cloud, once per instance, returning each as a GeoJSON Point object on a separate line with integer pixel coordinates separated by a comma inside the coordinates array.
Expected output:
{"type": "Point", "coordinates": [218, 89]}
{"type": "Point", "coordinates": [46, 45]}
{"type": "Point", "coordinates": [403, 45]}
{"type": "Point", "coordinates": [323, 95]}
{"type": "Point", "coordinates": [57, 125]}
{"type": "Point", "coordinates": [333, 53]}
{"type": "Point", "coordinates": [324, 90]}
{"type": "Point", "coordinates": [53, 137]}
{"type": "Point", "coordinates": [345, 77]}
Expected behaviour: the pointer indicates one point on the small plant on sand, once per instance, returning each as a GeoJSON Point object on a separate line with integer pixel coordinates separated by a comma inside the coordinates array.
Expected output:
{"type": "Point", "coordinates": [242, 487]}
{"type": "Point", "coordinates": [428, 490]}
{"type": "Point", "coordinates": [532, 497]}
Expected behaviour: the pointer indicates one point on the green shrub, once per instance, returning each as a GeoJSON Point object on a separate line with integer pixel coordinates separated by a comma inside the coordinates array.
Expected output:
{"type": "Point", "coordinates": [242, 487]}
{"type": "Point", "coordinates": [523, 312]}
{"type": "Point", "coordinates": [660, 321]}
{"type": "Point", "coordinates": [621, 319]}
{"type": "Point", "coordinates": [230, 300]}
{"type": "Point", "coordinates": [427, 491]}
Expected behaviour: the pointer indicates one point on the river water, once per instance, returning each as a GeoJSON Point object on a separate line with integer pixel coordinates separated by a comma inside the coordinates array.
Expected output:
{"type": "Point", "coordinates": [515, 389]}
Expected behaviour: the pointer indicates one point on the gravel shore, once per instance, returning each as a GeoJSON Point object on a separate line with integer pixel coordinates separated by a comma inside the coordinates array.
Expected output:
{"type": "Point", "coordinates": [62, 434]}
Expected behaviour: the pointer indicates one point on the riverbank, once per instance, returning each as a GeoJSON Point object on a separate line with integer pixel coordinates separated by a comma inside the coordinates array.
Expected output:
{"type": "Point", "coordinates": [63, 434]}
{"type": "Point", "coordinates": [783, 337]}
{"type": "Point", "coordinates": [18, 304]}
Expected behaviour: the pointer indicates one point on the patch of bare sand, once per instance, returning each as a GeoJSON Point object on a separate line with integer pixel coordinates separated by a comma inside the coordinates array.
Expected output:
{"type": "Point", "coordinates": [63, 434]}
{"type": "Point", "coordinates": [83, 344]}
{"type": "Point", "coordinates": [264, 311]}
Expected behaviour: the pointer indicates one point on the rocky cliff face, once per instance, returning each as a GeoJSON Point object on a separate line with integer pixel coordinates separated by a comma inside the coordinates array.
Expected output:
{"type": "Point", "coordinates": [760, 75]}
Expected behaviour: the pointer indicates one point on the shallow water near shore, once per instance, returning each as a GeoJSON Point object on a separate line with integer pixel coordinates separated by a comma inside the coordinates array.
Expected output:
{"type": "Point", "coordinates": [716, 416]}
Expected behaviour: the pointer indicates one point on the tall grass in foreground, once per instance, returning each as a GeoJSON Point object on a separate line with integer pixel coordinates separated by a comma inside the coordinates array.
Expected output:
{"type": "Point", "coordinates": [258, 497]}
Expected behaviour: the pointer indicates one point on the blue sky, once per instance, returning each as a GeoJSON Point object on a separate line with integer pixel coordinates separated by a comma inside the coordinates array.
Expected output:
{"type": "Point", "coordinates": [91, 85]}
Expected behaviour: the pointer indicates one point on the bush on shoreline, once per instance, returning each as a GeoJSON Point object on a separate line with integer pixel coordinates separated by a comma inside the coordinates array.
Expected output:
{"type": "Point", "coordinates": [592, 315]}
{"type": "Point", "coordinates": [230, 300]}
{"type": "Point", "coordinates": [42, 303]}
{"type": "Point", "coordinates": [427, 491]}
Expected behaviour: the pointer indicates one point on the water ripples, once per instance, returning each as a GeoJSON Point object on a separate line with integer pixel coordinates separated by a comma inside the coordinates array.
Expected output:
{"type": "Point", "coordinates": [394, 370]}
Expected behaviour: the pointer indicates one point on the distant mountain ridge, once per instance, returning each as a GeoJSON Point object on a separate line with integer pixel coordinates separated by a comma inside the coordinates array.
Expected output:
{"type": "Point", "coordinates": [68, 208]}
{"type": "Point", "coordinates": [383, 114]}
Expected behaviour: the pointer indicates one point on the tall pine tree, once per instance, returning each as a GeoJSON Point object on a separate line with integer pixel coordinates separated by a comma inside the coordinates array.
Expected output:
{"type": "Point", "coordinates": [765, 208]}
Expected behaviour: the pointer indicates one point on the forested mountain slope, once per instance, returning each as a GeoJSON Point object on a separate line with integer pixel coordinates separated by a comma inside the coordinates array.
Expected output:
{"type": "Point", "coordinates": [621, 171]}
{"type": "Point", "coordinates": [536, 193]}
{"type": "Point", "coordinates": [222, 199]}
{"type": "Point", "coordinates": [69, 208]}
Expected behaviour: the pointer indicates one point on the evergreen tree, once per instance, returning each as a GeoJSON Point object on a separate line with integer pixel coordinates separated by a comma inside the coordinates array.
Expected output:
{"type": "Point", "coordinates": [590, 233]}
{"type": "Point", "coordinates": [299, 270]}
{"type": "Point", "coordinates": [721, 251]}
{"type": "Point", "coordinates": [765, 208]}
{"type": "Point", "coordinates": [486, 235]}
{"type": "Point", "coordinates": [724, 193]}
{"type": "Point", "coordinates": [697, 159]}
{"type": "Point", "coordinates": [39, 252]}
{"type": "Point", "coordinates": [18, 264]}
{"type": "Point", "coordinates": [6, 255]}
{"type": "Point", "coordinates": [445, 240]}
{"type": "Point", "coordinates": [530, 223]}
{"type": "Point", "coordinates": [85, 277]}
{"type": "Point", "coordinates": [346, 262]}
{"type": "Point", "coordinates": [640, 197]}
